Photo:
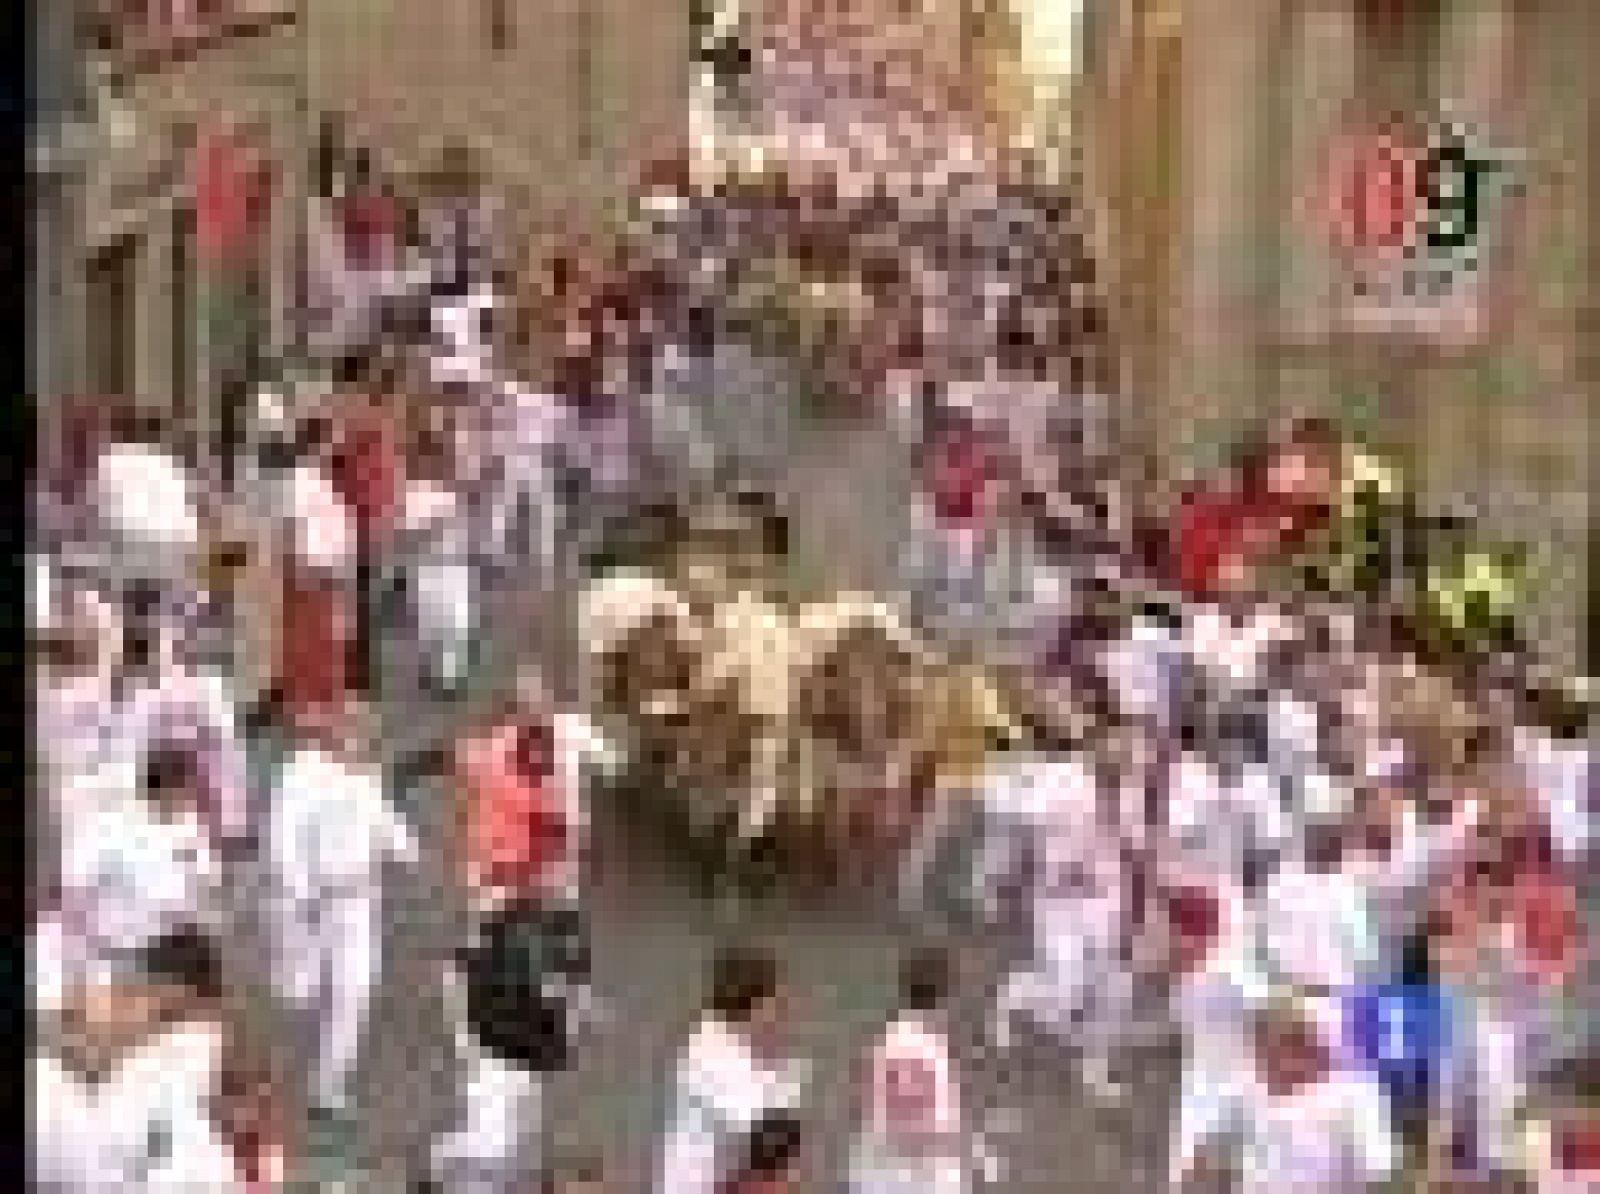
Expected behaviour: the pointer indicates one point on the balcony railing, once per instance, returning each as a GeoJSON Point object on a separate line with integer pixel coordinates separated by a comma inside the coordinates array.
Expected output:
{"type": "Point", "coordinates": [133, 37]}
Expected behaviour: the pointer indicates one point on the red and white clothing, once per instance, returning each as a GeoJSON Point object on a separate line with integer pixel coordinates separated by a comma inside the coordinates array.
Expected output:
{"type": "Point", "coordinates": [1565, 1158]}
{"type": "Point", "coordinates": [331, 830]}
{"type": "Point", "coordinates": [525, 822]}
{"type": "Point", "coordinates": [1215, 822]}
{"type": "Point", "coordinates": [1212, 1006]}
{"type": "Point", "coordinates": [1559, 773]}
{"type": "Point", "coordinates": [145, 505]}
{"type": "Point", "coordinates": [912, 1132]}
{"type": "Point", "coordinates": [366, 471]}
{"type": "Point", "coordinates": [128, 877]}
{"type": "Point", "coordinates": [721, 1089]}
{"type": "Point", "coordinates": [261, 1166]}
{"type": "Point", "coordinates": [443, 578]}
{"type": "Point", "coordinates": [322, 531]}
{"type": "Point", "coordinates": [1078, 905]}
{"type": "Point", "coordinates": [1331, 1137]}
{"type": "Point", "coordinates": [195, 711]}
{"type": "Point", "coordinates": [87, 742]}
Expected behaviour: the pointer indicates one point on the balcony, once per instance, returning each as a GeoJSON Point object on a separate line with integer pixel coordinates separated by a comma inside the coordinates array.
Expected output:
{"type": "Point", "coordinates": [135, 37]}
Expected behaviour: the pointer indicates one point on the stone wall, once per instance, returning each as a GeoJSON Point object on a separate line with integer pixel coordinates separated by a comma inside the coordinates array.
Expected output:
{"type": "Point", "coordinates": [575, 97]}
{"type": "Point", "coordinates": [1505, 423]}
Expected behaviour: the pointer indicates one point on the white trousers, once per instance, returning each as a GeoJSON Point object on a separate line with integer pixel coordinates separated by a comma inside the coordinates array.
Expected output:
{"type": "Point", "coordinates": [1208, 1096]}
{"type": "Point", "coordinates": [328, 965]}
{"type": "Point", "coordinates": [873, 1172]}
{"type": "Point", "coordinates": [496, 1141]}
{"type": "Point", "coordinates": [445, 605]}
{"type": "Point", "coordinates": [528, 487]}
{"type": "Point", "coordinates": [1076, 986]}
{"type": "Point", "coordinates": [1500, 1049]}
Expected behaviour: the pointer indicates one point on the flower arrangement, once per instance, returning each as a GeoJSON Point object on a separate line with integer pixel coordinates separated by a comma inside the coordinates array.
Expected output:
{"type": "Point", "coordinates": [1466, 593]}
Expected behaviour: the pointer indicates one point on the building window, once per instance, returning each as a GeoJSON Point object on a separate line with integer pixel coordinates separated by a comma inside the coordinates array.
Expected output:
{"type": "Point", "coordinates": [585, 82]}
{"type": "Point", "coordinates": [111, 320]}
{"type": "Point", "coordinates": [724, 58]}
{"type": "Point", "coordinates": [184, 314]}
{"type": "Point", "coordinates": [497, 22]}
{"type": "Point", "coordinates": [1400, 45]}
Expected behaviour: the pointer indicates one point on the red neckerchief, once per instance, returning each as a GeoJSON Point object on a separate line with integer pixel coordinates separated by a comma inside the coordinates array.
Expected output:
{"type": "Point", "coordinates": [368, 225]}
{"type": "Point", "coordinates": [1577, 1148]}
{"type": "Point", "coordinates": [961, 476]}
{"type": "Point", "coordinates": [366, 473]}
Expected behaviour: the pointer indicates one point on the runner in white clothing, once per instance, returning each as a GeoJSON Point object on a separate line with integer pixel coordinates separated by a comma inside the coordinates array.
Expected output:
{"type": "Point", "coordinates": [727, 1077]}
{"type": "Point", "coordinates": [1214, 996]}
{"type": "Point", "coordinates": [321, 528]}
{"type": "Point", "coordinates": [1302, 1122]}
{"type": "Point", "coordinates": [443, 579]}
{"type": "Point", "coordinates": [121, 1099]}
{"type": "Point", "coordinates": [332, 829]}
{"type": "Point", "coordinates": [195, 711]}
{"type": "Point", "coordinates": [145, 501]}
{"type": "Point", "coordinates": [1315, 931]}
{"type": "Point", "coordinates": [912, 1134]}
{"type": "Point", "coordinates": [134, 868]}
{"type": "Point", "coordinates": [1076, 985]}
{"type": "Point", "coordinates": [85, 736]}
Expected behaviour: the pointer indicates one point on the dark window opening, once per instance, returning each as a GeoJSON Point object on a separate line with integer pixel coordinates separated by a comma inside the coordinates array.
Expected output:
{"type": "Point", "coordinates": [183, 316]}
{"type": "Point", "coordinates": [111, 320]}
{"type": "Point", "coordinates": [498, 19]}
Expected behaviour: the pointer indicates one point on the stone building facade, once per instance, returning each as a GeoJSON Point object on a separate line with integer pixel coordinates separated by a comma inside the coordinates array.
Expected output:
{"type": "Point", "coordinates": [120, 290]}
{"type": "Point", "coordinates": [1210, 120]}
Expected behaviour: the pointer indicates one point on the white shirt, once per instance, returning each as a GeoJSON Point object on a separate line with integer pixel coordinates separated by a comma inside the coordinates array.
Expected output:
{"type": "Point", "coordinates": [1400, 882]}
{"type": "Point", "coordinates": [321, 527]}
{"type": "Point", "coordinates": [1560, 773]}
{"type": "Point", "coordinates": [1213, 1007]}
{"type": "Point", "coordinates": [1333, 1137]}
{"type": "Point", "coordinates": [41, 591]}
{"type": "Point", "coordinates": [144, 1129]}
{"type": "Point", "coordinates": [1316, 930]}
{"type": "Point", "coordinates": [143, 494]}
{"type": "Point", "coordinates": [434, 514]}
{"type": "Point", "coordinates": [89, 742]}
{"type": "Point", "coordinates": [1234, 651]}
{"type": "Point", "coordinates": [332, 827]}
{"type": "Point", "coordinates": [427, 504]}
{"type": "Point", "coordinates": [127, 878]}
{"type": "Point", "coordinates": [720, 1091]}
{"type": "Point", "coordinates": [1215, 822]}
{"type": "Point", "coordinates": [465, 357]}
{"type": "Point", "coordinates": [913, 1091]}
{"type": "Point", "coordinates": [1137, 666]}
{"type": "Point", "coordinates": [1037, 798]}
{"type": "Point", "coordinates": [197, 709]}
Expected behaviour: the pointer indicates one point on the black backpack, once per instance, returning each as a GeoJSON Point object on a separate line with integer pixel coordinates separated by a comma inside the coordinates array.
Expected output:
{"type": "Point", "coordinates": [524, 958]}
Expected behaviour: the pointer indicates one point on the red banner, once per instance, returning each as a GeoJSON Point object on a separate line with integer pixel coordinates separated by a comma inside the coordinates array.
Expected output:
{"type": "Point", "coordinates": [1371, 197]}
{"type": "Point", "coordinates": [233, 186]}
